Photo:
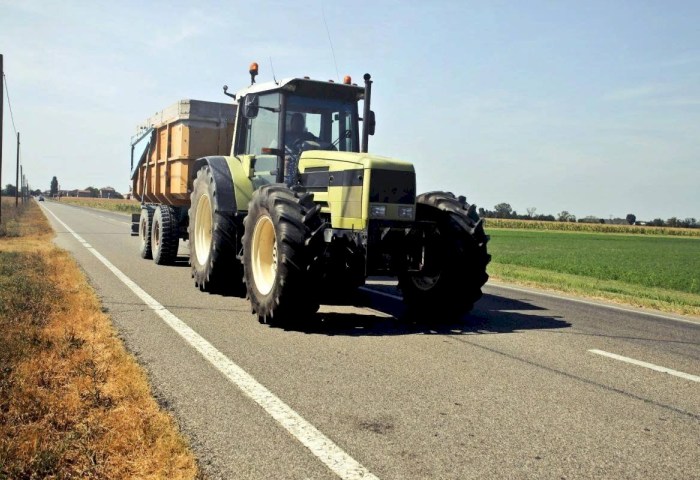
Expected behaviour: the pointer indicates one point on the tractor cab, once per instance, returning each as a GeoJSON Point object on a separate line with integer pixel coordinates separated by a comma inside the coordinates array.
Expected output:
{"type": "Point", "coordinates": [278, 121]}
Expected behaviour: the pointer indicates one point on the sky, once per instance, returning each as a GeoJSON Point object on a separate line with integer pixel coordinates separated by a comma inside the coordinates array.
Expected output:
{"type": "Point", "coordinates": [590, 107]}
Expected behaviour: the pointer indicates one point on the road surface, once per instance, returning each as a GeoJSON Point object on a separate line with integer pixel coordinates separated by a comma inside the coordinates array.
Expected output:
{"type": "Point", "coordinates": [526, 386]}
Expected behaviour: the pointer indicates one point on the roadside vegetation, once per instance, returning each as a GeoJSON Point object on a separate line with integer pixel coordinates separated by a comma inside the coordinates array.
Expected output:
{"type": "Point", "coordinates": [491, 223]}
{"type": "Point", "coordinates": [658, 272]}
{"type": "Point", "coordinates": [112, 205]}
{"type": "Point", "coordinates": [73, 403]}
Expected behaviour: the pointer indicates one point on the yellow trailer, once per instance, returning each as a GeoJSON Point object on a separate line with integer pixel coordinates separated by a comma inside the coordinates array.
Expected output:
{"type": "Point", "coordinates": [167, 144]}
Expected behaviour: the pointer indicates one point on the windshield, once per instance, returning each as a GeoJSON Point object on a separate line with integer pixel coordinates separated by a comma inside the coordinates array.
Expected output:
{"type": "Point", "coordinates": [330, 122]}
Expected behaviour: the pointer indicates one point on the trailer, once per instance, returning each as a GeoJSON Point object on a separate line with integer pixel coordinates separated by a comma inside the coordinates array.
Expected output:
{"type": "Point", "coordinates": [163, 152]}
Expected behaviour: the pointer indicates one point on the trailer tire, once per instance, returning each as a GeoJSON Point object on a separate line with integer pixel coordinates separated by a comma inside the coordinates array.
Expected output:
{"type": "Point", "coordinates": [213, 239]}
{"type": "Point", "coordinates": [164, 235]}
{"type": "Point", "coordinates": [145, 222]}
{"type": "Point", "coordinates": [277, 254]}
{"type": "Point", "coordinates": [456, 258]}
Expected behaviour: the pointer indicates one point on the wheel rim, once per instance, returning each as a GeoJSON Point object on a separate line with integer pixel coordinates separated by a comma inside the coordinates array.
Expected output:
{"type": "Point", "coordinates": [203, 229]}
{"type": "Point", "coordinates": [264, 255]}
{"type": "Point", "coordinates": [425, 282]}
{"type": "Point", "coordinates": [155, 237]}
{"type": "Point", "coordinates": [144, 229]}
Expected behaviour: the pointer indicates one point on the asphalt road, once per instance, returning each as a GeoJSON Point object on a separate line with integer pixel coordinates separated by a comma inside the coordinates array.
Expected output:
{"type": "Point", "coordinates": [513, 390]}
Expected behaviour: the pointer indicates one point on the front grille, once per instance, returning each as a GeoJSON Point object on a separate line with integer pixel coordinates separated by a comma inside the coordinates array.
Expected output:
{"type": "Point", "coordinates": [391, 186]}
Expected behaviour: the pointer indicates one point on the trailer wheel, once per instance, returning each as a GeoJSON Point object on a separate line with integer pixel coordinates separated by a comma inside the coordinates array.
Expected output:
{"type": "Point", "coordinates": [145, 222]}
{"type": "Point", "coordinates": [212, 239]}
{"type": "Point", "coordinates": [276, 257]}
{"type": "Point", "coordinates": [164, 235]}
{"type": "Point", "coordinates": [455, 258]}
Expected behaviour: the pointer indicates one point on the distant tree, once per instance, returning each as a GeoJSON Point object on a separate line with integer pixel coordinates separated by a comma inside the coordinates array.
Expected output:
{"type": "Point", "coordinates": [673, 222]}
{"type": "Point", "coordinates": [689, 223]}
{"type": "Point", "coordinates": [531, 211]}
{"type": "Point", "coordinates": [10, 190]}
{"type": "Point", "coordinates": [36, 192]}
{"type": "Point", "coordinates": [503, 210]}
{"type": "Point", "coordinates": [657, 222]}
{"type": "Point", "coordinates": [565, 216]}
{"type": "Point", "coordinates": [631, 218]}
{"type": "Point", "coordinates": [589, 219]}
{"type": "Point", "coordinates": [94, 192]}
{"type": "Point", "coordinates": [54, 186]}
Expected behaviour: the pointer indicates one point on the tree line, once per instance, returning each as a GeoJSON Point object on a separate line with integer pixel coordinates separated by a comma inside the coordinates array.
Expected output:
{"type": "Point", "coordinates": [504, 210]}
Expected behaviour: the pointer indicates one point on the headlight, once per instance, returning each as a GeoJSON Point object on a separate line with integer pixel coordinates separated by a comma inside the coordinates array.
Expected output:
{"type": "Point", "coordinates": [406, 212]}
{"type": "Point", "coordinates": [377, 211]}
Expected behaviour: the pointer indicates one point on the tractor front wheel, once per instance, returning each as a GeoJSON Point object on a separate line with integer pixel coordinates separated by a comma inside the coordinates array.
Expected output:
{"type": "Point", "coordinates": [276, 257]}
{"type": "Point", "coordinates": [454, 269]}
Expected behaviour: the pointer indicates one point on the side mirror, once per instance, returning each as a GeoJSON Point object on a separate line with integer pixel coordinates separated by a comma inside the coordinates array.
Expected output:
{"type": "Point", "coordinates": [371, 123]}
{"type": "Point", "coordinates": [250, 109]}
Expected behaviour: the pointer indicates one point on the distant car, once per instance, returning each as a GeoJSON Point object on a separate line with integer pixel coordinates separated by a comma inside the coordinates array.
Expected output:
{"type": "Point", "coordinates": [41, 198]}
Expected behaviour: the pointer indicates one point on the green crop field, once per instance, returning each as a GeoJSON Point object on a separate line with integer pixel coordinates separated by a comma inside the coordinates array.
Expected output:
{"type": "Point", "coordinates": [653, 271]}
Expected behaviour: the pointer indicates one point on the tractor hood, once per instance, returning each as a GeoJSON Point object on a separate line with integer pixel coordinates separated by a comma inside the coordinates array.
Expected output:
{"type": "Point", "coordinates": [318, 158]}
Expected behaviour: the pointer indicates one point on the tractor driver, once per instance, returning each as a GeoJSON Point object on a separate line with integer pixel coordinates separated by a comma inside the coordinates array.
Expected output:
{"type": "Point", "coordinates": [297, 131]}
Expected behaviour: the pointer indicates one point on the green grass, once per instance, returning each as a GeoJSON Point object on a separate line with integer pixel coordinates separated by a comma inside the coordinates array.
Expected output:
{"type": "Point", "coordinates": [654, 271]}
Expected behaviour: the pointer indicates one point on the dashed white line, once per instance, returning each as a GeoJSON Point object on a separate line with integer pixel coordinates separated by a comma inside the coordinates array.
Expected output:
{"type": "Point", "coordinates": [321, 446]}
{"type": "Point", "coordinates": [650, 366]}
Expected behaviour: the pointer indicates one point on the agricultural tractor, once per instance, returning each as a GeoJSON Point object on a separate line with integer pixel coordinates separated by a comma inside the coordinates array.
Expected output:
{"type": "Point", "coordinates": [297, 206]}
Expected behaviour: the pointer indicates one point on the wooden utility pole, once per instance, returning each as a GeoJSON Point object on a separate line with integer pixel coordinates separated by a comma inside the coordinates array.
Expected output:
{"type": "Point", "coordinates": [17, 175]}
{"type": "Point", "coordinates": [2, 110]}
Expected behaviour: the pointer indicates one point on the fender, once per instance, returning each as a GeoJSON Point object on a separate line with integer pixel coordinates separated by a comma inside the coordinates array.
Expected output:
{"type": "Point", "coordinates": [225, 195]}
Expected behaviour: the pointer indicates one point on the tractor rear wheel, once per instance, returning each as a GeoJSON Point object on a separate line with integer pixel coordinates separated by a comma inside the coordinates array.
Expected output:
{"type": "Point", "coordinates": [145, 222]}
{"type": "Point", "coordinates": [455, 258]}
{"type": "Point", "coordinates": [212, 238]}
{"type": "Point", "coordinates": [276, 257]}
{"type": "Point", "coordinates": [164, 235]}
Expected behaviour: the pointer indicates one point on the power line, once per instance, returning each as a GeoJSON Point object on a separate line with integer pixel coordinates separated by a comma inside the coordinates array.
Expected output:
{"type": "Point", "coordinates": [323, 12]}
{"type": "Point", "coordinates": [7, 94]}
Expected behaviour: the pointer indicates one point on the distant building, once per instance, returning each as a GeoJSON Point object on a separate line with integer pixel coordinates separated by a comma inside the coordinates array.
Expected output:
{"type": "Point", "coordinates": [109, 192]}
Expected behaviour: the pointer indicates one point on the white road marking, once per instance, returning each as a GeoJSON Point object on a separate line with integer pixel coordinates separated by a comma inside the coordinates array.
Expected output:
{"type": "Point", "coordinates": [593, 303]}
{"type": "Point", "coordinates": [651, 366]}
{"type": "Point", "coordinates": [321, 446]}
{"type": "Point", "coordinates": [395, 297]}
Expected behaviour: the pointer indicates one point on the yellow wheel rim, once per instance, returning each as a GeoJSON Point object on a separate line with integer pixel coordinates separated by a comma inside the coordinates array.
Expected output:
{"type": "Point", "coordinates": [264, 255]}
{"type": "Point", "coordinates": [203, 230]}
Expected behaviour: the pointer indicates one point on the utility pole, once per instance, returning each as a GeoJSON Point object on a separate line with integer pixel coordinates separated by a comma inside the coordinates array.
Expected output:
{"type": "Point", "coordinates": [21, 182]}
{"type": "Point", "coordinates": [2, 111]}
{"type": "Point", "coordinates": [17, 175]}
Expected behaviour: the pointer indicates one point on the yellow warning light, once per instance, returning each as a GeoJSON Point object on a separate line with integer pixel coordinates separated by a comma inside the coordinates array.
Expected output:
{"type": "Point", "coordinates": [253, 69]}
{"type": "Point", "coordinates": [347, 80]}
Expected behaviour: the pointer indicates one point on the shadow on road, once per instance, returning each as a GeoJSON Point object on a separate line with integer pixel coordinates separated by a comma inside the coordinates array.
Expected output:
{"type": "Point", "coordinates": [491, 314]}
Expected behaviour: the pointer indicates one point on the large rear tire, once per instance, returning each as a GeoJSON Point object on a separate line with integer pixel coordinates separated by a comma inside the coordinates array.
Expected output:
{"type": "Point", "coordinates": [455, 258]}
{"type": "Point", "coordinates": [145, 222]}
{"type": "Point", "coordinates": [276, 258]}
{"type": "Point", "coordinates": [164, 235]}
{"type": "Point", "coordinates": [213, 238]}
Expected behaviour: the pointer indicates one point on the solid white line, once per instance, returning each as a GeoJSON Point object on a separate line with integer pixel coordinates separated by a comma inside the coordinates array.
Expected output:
{"type": "Point", "coordinates": [321, 446]}
{"type": "Point", "coordinates": [395, 297]}
{"type": "Point", "coordinates": [651, 366]}
{"type": "Point", "coordinates": [591, 302]}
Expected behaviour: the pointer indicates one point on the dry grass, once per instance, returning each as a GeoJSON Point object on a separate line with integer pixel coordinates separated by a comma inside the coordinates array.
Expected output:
{"type": "Point", "coordinates": [73, 403]}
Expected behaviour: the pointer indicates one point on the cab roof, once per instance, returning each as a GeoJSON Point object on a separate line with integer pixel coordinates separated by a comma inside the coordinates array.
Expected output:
{"type": "Point", "coordinates": [306, 87]}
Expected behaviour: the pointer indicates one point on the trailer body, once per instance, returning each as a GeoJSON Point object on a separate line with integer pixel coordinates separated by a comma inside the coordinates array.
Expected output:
{"type": "Point", "coordinates": [166, 145]}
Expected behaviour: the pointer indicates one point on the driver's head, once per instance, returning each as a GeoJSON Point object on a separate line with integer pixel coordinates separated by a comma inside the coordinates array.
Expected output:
{"type": "Point", "coordinates": [297, 123]}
